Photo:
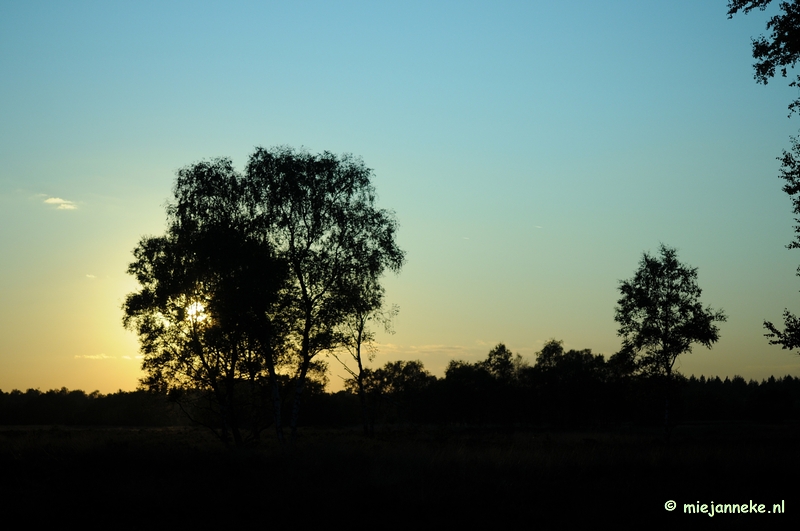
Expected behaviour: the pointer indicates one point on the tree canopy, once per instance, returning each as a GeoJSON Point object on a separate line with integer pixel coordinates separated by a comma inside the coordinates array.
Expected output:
{"type": "Point", "coordinates": [660, 315]}
{"type": "Point", "coordinates": [208, 291]}
{"type": "Point", "coordinates": [258, 272]}
{"type": "Point", "coordinates": [319, 213]}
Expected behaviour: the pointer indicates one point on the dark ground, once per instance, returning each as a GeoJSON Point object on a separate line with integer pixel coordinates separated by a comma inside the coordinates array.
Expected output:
{"type": "Point", "coordinates": [124, 478]}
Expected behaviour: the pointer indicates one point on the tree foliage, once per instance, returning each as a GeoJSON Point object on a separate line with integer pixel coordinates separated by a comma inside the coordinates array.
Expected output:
{"type": "Point", "coordinates": [208, 290]}
{"type": "Point", "coordinates": [551, 353]}
{"type": "Point", "coordinates": [396, 391]}
{"type": "Point", "coordinates": [358, 339]}
{"type": "Point", "coordinates": [319, 213]}
{"type": "Point", "coordinates": [571, 386]}
{"type": "Point", "coordinates": [258, 273]}
{"type": "Point", "coordinates": [660, 315]}
{"type": "Point", "coordinates": [782, 49]}
{"type": "Point", "coordinates": [789, 337]}
{"type": "Point", "coordinates": [501, 364]}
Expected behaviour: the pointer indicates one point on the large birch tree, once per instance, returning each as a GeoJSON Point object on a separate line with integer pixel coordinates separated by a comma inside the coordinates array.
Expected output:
{"type": "Point", "coordinates": [318, 212]}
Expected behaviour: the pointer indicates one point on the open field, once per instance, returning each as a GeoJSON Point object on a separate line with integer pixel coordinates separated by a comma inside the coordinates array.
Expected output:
{"type": "Point", "coordinates": [402, 475]}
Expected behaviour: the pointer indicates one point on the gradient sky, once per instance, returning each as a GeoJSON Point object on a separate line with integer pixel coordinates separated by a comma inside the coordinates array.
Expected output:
{"type": "Point", "coordinates": [531, 151]}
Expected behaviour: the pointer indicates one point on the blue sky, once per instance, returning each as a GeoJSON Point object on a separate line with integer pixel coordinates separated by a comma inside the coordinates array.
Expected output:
{"type": "Point", "coordinates": [531, 150]}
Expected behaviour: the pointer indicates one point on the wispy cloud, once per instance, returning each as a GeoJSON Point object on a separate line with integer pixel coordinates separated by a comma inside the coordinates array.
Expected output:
{"type": "Point", "coordinates": [96, 357]}
{"type": "Point", "coordinates": [393, 350]}
{"type": "Point", "coordinates": [63, 204]}
{"type": "Point", "coordinates": [90, 276]}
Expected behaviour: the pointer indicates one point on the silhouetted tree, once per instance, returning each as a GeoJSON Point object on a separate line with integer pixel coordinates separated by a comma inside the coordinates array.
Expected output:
{"type": "Point", "coordinates": [622, 364]}
{"type": "Point", "coordinates": [399, 385]}
{"type": "Point", "coordinates": [502, 364]}
{"type": "Point", "coordinates": [660, 315]}
{"type": "Point", "coordinates": [209, 289]}
{"type": "Point", "coordinates": [259, 271]}
{"type": "Point", "coordinates": [570, 384]}
{"type": "Point", "coordinates": [358, 338]}
{"type": "Point", "coordinates": [550, 354]}
{"type": "Point", "coordinates": [505, 396]}
{"type": "Point", "coordinates": [318, 212]}
{"type": "Point", "coordinates": [468, 390]}
{"type": "Point", "coordinates": [490, 390]}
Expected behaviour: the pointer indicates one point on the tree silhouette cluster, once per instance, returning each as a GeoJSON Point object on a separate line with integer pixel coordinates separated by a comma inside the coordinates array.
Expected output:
{"type": "Point", "coordinates": [261, 271]}
{"type": "Point", "coordinates": [258, 273]}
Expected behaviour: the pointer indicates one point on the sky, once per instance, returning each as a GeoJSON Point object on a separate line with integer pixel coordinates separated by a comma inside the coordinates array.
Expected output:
{"type": "Point", "coordinates": [531, 150]}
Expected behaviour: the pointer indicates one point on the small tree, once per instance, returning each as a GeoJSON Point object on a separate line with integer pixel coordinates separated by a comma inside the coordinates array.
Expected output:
{"type": "Point", "coordinates": [660, 315]}
{"type": "Point", "coordinates": [551, 352]}
{"type": "Point", "coordinates": [359, 339]}
{"type": "Point", "coordinates": [501, 364]}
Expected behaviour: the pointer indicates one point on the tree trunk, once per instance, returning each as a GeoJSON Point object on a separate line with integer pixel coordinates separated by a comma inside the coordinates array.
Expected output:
{"type": "Point", "coordinates": [229, 411]}
{"type": "Point", "coordinates": [269, 357]}
{"type": "Point", "coordinates": [305, 348]}
{"type": "Point", "coordinates": [362, 395]}
{"type": "Point", "coordinates": [667, 393]}
{"type": "Point", "coordinates": [276, 406]}
{"type": "Point", "coordinates": [298, 393]}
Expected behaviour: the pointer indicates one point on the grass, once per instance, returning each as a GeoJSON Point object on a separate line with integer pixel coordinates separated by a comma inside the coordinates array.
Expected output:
{"type": "Point", "coordinates": [401, 475]}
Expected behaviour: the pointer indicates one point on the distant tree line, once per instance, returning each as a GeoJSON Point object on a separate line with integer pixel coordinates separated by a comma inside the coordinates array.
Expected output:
{"type": "Point", "coordinates": [569, 388]}
{"type": "Point", "coordinates": [562, 389]}
{"type": "Point", "coordinates": [77, 408]}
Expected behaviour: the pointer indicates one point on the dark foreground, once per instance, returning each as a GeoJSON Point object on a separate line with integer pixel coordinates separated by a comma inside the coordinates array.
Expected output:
{"type": "Point", "coordinates": [178, 477]}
